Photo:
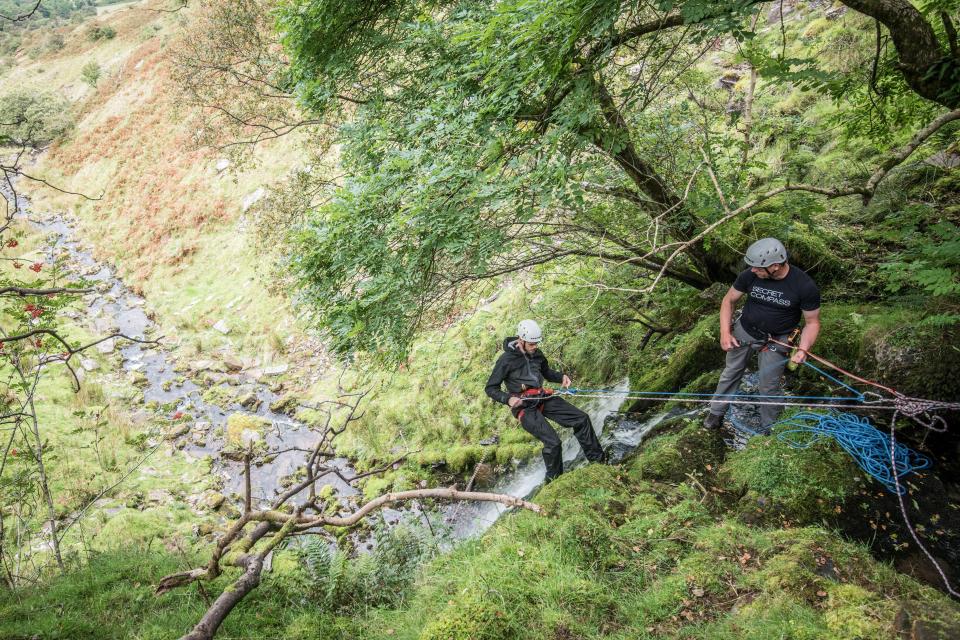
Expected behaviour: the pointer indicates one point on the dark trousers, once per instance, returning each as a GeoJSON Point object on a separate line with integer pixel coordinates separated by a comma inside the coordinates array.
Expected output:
{"type": "Point", "coordinates": [565, 414]}
{"type": "Point", "coordinates": [772, 362]}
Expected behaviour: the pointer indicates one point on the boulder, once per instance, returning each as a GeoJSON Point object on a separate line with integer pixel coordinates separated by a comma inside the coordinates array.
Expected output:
{"type": "Point", "coordinates": [213, 500]}
{"type": "Point", "coordinates": [177, 431]}
{"type": "Point", "coordinates": [252, 198]}
{"type": "Point", "coordinates": [232, 363]}
{"type": "Point", "coordinates": [249, 400]}
{"type": "Point", "coordinates": [287, 404]}
{"type": "Point", "coordinates": [276, 370]}
{"type": "Point", "coordinates": [243, 429]}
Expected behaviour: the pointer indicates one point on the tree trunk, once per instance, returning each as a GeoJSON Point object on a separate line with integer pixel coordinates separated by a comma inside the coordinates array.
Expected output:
{"type": "Point", "coordinates": [221, 608]}
{"type": "Point", "coordinates": [45, 486]}
{"type": "Point", "coordinates": [918, 49]}
{"type": "Point", "coordinates": [681, 224]}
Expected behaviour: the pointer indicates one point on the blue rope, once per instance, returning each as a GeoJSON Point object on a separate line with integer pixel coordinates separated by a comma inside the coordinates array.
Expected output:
{"type": "Point", "coordinates": [830, 377]}
{"type": "Point", "coordinates": [868, 446]}
{"type": "Point", "coordinates": [636, 393]}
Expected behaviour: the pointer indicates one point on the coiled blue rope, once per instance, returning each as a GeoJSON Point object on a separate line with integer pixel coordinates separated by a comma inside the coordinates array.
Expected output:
{"type": "Point", "coordinates": [867, 445]}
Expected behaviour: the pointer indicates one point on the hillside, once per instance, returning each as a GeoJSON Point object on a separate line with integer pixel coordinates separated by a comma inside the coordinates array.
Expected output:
{"type": "Point", "coordinates": [448, 171]}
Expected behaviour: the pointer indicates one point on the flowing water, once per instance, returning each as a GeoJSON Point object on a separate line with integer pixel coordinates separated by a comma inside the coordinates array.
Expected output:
{"type": "Point", "coordinates": [114, 307]}
{"type": "Point", "coordinates": [623, 435]}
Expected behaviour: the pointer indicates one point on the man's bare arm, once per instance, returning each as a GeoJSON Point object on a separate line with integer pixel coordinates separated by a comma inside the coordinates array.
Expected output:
{"type": "Point", "coordinates": [811, 328]}
{"type": "Point", "coordinates": [727, 341]}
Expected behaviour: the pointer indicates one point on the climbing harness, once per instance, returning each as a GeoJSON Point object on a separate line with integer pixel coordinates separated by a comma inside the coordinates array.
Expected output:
{"type": "Point", "coordinates": [536, 394]}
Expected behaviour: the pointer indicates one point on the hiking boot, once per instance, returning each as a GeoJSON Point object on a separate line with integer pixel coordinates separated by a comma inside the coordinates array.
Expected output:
{"type": "Point", "coordinates": [713, 421]}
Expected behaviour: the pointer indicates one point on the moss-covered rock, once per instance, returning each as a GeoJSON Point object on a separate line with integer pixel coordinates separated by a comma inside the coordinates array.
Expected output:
{"type": "Point", "coordinates": [243, 428]}
{"type": "Point", "coordinates": [890, 344]}
{"type": "Point", "coordinates": [689, 356]}
{"type": "Point", "coordinates": [682, 447]}
{"type": "Point", "coordinates": [797, 485]}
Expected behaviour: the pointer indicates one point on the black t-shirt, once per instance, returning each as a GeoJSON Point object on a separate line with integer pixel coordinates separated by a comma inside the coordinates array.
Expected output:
{"type": "Point", "coordinates": [773, 306]}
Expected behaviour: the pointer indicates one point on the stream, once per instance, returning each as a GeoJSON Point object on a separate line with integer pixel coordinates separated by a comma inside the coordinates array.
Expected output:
{"type": "Point", "coordinates": [114, 307]}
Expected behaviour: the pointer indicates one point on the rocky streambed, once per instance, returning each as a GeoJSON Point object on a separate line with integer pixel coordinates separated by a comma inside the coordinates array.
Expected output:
{"type": "Point", "coordinates": [214, 405]}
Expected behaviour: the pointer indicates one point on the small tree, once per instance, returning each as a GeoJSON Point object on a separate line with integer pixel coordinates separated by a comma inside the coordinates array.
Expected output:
{"type": "Point", "coordinates": [33, 119]}
{"type": "Point", "coordinates": [91, 73]}
{"type": "Point", "coordinates": [98, 32]}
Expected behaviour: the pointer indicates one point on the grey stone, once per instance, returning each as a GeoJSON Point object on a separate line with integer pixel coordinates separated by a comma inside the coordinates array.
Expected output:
{"type": "Point", "coordinates": [286, 404]}
{"type": "Point", "coordinates": [177, 431]}
{"type": "Point", "coordinates": [250, 401]}
{"type": "Point", "coordinates": [252, 198]}
{"type": "Point", "coordinates": [276, 370]}
{"type": "Point", "coordinates": [107, 346]}
{"type": "Point", "coordinates": [213, 499]}
{"type": "Point", "coordinates": [232, 363]}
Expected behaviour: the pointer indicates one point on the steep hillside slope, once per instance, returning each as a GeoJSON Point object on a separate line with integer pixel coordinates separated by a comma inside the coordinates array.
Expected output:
{"type": "Point", "coordinates": [169, 213]}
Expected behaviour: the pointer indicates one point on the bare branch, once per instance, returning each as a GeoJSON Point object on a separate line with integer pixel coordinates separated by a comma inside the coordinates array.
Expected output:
{"type": "Point", "coordinates": [24, 291]}
{"type": "Point", "coordinates": [18, 172]}
{"type": "Point", "coordinates": [23, 16]}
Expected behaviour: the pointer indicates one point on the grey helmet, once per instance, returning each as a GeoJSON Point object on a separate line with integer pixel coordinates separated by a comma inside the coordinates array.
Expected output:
{"type": "Point", "coordinates": [765, 252]}
{"type": "Point", "coordinates": [529, 331]}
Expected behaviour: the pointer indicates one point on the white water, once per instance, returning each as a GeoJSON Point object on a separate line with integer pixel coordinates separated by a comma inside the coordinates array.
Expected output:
{"type": "Point", "coordinates": [468, 520]}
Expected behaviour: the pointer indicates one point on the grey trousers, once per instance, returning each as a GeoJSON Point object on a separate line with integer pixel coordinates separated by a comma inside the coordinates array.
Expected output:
{"type": "Point", "coordinates": [772, 361]}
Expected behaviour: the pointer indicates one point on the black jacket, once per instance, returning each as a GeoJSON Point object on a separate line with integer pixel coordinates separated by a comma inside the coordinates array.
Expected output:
{"type": "Point", "coordinates": [515, 368]}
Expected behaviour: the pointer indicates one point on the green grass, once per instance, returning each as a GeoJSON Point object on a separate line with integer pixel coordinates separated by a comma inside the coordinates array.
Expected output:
{"type": "Point", "coordinates": [624, 557]}
{"type": "Point", "coordinates": [634, 551]}
{"type": "Point", "coordinates": [112, 597]}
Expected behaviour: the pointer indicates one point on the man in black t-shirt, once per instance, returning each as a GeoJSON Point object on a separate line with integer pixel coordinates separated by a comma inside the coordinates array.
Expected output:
{"type": "Point", "coordinates": [778, 294]}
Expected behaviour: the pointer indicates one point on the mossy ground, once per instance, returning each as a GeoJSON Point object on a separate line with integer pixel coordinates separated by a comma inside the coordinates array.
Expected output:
{"type": "Point", "coordinates": [654, 548]}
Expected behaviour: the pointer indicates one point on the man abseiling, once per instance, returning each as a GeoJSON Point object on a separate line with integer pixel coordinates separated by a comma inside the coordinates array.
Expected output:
{"type": "Point", "coordinates": [777, 294]}
{"type": "Point", "coordinates": [523, 368]}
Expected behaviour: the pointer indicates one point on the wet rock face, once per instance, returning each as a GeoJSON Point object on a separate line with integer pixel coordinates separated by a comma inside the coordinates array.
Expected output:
{"type": "Point", "coordinates": [678, 448]}
{"type": "Point", "coordinates": [781, 486]}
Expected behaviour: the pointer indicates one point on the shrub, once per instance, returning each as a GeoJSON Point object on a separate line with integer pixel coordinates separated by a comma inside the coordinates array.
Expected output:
{"type": "Point", "coordinates": [91, 73]}
{"type": "Point", "coordinates": [98, 32]}
{"type": "Point", "coordinates": [33, 119]}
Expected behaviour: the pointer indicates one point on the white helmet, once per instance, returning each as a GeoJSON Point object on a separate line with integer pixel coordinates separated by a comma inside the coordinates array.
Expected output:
{"type": "Point", "coordinates": [529, 331]}
{"type": "Point", "coordinates": [765, 252]}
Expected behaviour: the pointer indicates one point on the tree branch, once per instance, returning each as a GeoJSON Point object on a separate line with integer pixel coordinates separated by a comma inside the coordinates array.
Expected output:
{"type": "Point", "coordinates": [23, 16]}
{"type": "Point", "coordinates": [904, 152]}
{"type": "Point", "coordinates": [919, 51]}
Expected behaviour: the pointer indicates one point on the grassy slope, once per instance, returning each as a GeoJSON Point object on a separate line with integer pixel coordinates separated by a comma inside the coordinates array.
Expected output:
{"type": "Point", "coordinates": [656, 548]}
{"type": "Point", "coordinates": [169, 222]}
{"type": "Point", "coordinates": [168, 219]}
